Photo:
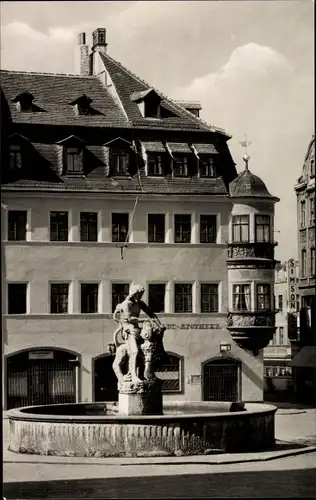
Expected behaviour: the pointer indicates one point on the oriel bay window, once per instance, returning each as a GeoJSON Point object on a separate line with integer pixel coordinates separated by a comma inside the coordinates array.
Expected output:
{"type": "Point", "coordinates": [59, 298]}
{"type": "Point", "coordinates": [208, 228]}
{"type": "Point", "coordinates": [155, 164]}
{"type": "Point", "coordinates": [206, 166]}
{"type": "Point", "coordinates": [180, 166]}
{"type": "Point", "coordinates": [240, 224]}
{"type": "Point", "coordinates": [17, 225]}
{"type": "Point", "coordinates": [88, 226]}
{"type": "Point", "coordinates": [263, 228]}
{"type": "Point", "coordinates": [120, 223]}
{"type": "Point", "coordinates": [119, 293]}
{"type": "Point", "coordinates": [89, 298]}
{"type": "Point", "coordinates": [156, 228]}
{"type": "Point", "coordinates": [241, 297]}
{"type": "Point", "coordinates": [182, 228]}
{"type": "Point", "coordinates": [58, 226]}
{"type": "Point", "coordinates": [183, 298]}
{"type": "Point", "coordinates": [119, 162]}
{"type": "Point", "coordinates": [264, 297]}
{"type": "Point", "coordinates": [156, 297]}
{"type": "Point", "coordinates": [209, 297]}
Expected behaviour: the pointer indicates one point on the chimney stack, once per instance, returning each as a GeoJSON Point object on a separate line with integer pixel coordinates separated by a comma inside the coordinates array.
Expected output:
{"type": "Point", "coordinates": [99, 40]}
{"type": "Point", "coordinates": [82, 56]}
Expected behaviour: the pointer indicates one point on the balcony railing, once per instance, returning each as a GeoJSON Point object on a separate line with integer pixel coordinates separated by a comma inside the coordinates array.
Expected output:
{"type": "Point", "coordinates": [251, 250]}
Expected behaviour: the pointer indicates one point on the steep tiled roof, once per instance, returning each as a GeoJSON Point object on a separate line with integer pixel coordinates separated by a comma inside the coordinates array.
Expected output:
{"type": "Point", "coordinates": [54, 93]}
{"type": "Point", "coordinates": [249, 185]}
{"type": "Point", "coordinates": [128, 85]}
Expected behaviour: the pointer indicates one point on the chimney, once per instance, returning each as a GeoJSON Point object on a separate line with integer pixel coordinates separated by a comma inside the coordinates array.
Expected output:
{"type": "Point", "coordinates": [99, 40]}
{"type": "Point", "coordinates": [82, 56]}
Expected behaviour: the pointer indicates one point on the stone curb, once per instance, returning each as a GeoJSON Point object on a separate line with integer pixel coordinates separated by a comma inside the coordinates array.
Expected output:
{"type": "Point", "coordinates": [190, 460]}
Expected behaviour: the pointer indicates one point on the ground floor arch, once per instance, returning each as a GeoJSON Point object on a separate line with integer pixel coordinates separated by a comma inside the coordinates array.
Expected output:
{"type": "Point", "coordinates": [39, 376]}
{"type": "Point", "coordinates": [104, 379]}
{"type": "Point", "coordinates": [221, 379]}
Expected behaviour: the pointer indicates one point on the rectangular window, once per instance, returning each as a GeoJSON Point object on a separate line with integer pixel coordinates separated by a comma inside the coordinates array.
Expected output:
{"type": "Point", "coordinates": [59, 298]}
{"type": "Point", "coordinates": [274, 339]}
{"type": "Point", "coordinates": [156, 228]}
{"type": "Point", "coordinates": [120, 227]}
{"type": "Point", "coordinates": [156, 297]}
{"type": "Point", "coordinates": [119, 162]}
{"type": "Point", "coordinates": [209, 298]}
{"type": "Point", "coordinates": [89, 298]}
{"type": "Point", "coordinates": [302, 214]}
{"type": "Point", "coordinates": [312, 167]}
{"type": "Point", "coordinates": [182, 226]}
{"type": "Point", "coordinates": [208, 230]}
{"type": "Point", "coordinates": [313, 262]}
{"type": "Point", "coordinates": [312, 211]}
{"type": "Point", "coordinates": [206, 166]}
{"type": "Point", "coordinates": [17, 298]}
{"type": "Point", "coordinates": [17, 220]}
{"type": "Point", "coordinates": [264, 297]}
{"type": "Point", "coordinates": [183, 298]}
{"type": "Point", "coordinates": [58, 226]}
{"type": "Point", "coordinates": [15, 160]}
{"type": "Point", "coordinates": [240, 228]}
{"type": "Point", "coordinates": [155, 164]}
{"type": "Point", "coordinates": [241, 298]}
{"type": "Point", "coordinates": [119, 293]}
{"type": "Point", "coordinates": [72, 160]}
{"type": "Point", "coordinates": [303, 263]}
{"type": "Point", "coordinates": [280, 302]}
{"type": "Point", "coordinates": [263, 229]}
{"type": "Point", "coordinates": [88, 226]}
{"type": "Point", "coordinates": [281, 335]}
{"type": "Point", "coordinates": [180, 166]}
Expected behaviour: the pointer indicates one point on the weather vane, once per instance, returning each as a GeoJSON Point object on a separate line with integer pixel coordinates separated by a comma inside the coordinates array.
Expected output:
{"type": "Point", "coordinates": [245, 144]}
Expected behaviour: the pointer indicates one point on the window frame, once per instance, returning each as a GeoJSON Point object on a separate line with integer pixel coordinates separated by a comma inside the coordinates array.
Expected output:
{"type": "Point", "coordinates": [311, 211]}
{"type": "Point", "coordinates": [26, 289]}
{"type": "Point", "coordinates": [266, 295]}
{"type": "Point", "coordinates": [149, 285]}
{"type": "Point", "coordinates": [72, 160]}
{"type": "Point", "coordinates": [313, 262]}
{"type": "Point", "coordinates": [303, 263]}
{"type": "Point", "coordinates": [159, 162]}
{"type": "Point", "coordinates": [280, 302]}
{"type": "Point", "coordinates": [182, 161]}
{"type": "Point", "coordinates": [180, 363]}
{"type": "Point", "coordinates": [302, 214]}
{"type": "Point", "coordinates": [121, 238]}
{"type": "Point", "coordinates": [184, 296]}
{"type": "Point", "coordinates": [119, 283]}
{"type": "Point", "coordinates": [239, 225]}
{"type": "Point", "coordinates": [59, 230]}
{"type": "Point", "coordinates": [182, 232]}
{"type": "Point", "coordinates": [152, 236]}
{"type": "Point", "coordinates": [15, 157]}
{"type": "Point", "coordinates": [122, 162]}
{"type": "Point", "coordinates": [206, 160]}
{"type": "Point", "coordinates": [96, 298]}
{"type": "Point", "coordinates": [16, 230]}
{"type": "Point", "coordinates": [88, 229]}
{"type": "Point", "coordinates": [264, 227]}
{"type": "Point", "coordinates": [243, 296]}
{"type": "Point", "coordinates": [215, 218]}
{"type": "Point", "coordinates": [216, 295]}
{"type": "Point", "coordinates": [58, 303]}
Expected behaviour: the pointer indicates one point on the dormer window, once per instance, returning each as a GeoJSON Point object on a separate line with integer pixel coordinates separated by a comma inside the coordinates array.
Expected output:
{"type": "Point", "coordinates": [82, 105]}
{"type": "Point", "coordinates": [206, 166]}
{"type": "Point", "coordinates": [155, 164]}
{"type": "Point", "coordinates": [24, 102]}
{"type": "Point", "coordinates": [180, 166]}
{"type": "Point", "coordinates": [152, 108]}
{"type": "Point", "coordinates": [72, 160]}
{"type": "Point", "coordinates": [148, 103]}
{"type": "Point", "coordinates": [119, 162]}
{"type": "Point", "coordinates": [15, 157]}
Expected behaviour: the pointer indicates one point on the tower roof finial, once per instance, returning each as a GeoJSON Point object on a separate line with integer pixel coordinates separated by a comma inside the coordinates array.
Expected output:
{"type": "Point", "coordinates": [245, 144]}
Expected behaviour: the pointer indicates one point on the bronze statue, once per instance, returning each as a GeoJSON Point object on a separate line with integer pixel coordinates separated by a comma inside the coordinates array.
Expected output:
{"type": "Point", "coordinates": [142, 339]}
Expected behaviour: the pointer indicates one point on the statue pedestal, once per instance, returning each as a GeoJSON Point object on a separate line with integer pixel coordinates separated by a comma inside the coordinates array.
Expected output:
{"type": "Point", "coordinates": [140, 399]}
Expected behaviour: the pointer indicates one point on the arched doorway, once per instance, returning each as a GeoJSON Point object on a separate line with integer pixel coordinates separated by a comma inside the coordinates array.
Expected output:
{"type": "Point", "coordinates": [222, 380]}
{"type": "Point", "coordinates": [41, 376]}
{"type": "Point", "coordinates": [105, 381]}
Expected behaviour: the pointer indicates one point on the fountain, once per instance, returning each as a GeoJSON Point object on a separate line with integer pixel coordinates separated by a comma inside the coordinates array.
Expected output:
{"type": "Point", "coordinates": [140, 425]}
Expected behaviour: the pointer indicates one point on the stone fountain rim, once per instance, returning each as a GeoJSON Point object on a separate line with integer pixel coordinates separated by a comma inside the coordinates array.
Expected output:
{"type": "Point", "coordinates": [252, 409]}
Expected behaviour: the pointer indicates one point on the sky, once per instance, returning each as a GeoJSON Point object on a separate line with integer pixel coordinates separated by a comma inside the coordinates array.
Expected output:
{"type": "Point", "coordinates": [250, 64]}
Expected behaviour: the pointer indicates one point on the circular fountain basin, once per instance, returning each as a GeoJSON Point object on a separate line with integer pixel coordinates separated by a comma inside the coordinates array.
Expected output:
{"type": "Point", "coordinates": [98, 430]}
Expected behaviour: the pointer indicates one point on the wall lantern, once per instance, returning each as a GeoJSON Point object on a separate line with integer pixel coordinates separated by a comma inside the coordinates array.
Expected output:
{"type": "Point", "coordinates": [224, 347]}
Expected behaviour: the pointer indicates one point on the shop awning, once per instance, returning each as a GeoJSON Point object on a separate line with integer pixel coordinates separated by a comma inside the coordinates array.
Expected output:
{"type": "Point", "coordinates": [179, 147]}
{"type": "Point", "coordinates": [154, 147]}
{"type": "Point", "coordinates": [208, 149]}
{"type": "Point", "coordinates": [306, 358]}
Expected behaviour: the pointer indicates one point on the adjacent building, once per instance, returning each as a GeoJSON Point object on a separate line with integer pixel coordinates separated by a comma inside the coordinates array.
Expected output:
{"type": "Point", "coordinates": [304, 363]}
{"type": "Point", "coordinates": [107, 182]}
